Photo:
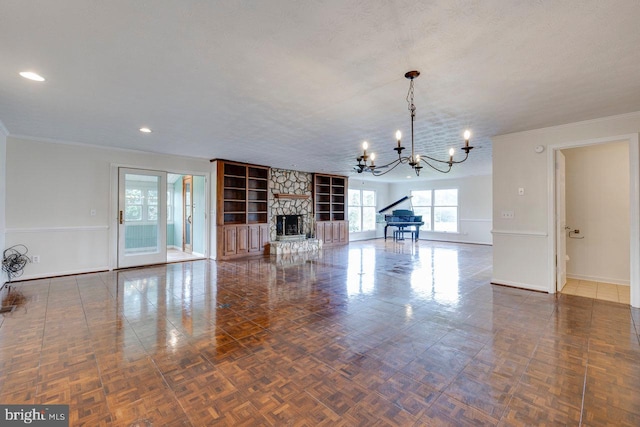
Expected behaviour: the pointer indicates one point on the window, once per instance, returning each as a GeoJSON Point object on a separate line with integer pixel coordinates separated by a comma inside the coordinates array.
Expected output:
{"type": "Point", "coordinates": [133, 204]}
{"type": "Point", "coordinates": [362, 210]}
{"type": "Point", "coordinates": [439, 209]}
{"type": "Point", "coordinates": [141, 202]}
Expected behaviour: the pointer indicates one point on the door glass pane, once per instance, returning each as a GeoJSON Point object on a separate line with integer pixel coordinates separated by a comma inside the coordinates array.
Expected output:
{"type": "Point", "coordinates": [141, 214]}
{"type": "Point", "coordinates": [188, 213]}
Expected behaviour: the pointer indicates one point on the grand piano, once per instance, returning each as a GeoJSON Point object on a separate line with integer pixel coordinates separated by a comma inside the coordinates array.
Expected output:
{"type": "Point", "coordinates": [403, 220]}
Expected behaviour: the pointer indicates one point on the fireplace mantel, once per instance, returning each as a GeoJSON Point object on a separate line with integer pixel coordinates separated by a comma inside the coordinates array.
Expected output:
{"type": "Point", "coordinates": [291, 196]}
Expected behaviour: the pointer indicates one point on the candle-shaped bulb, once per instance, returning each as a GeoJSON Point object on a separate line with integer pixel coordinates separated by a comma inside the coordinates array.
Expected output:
{"type": "Point", "coordinates": [365, 145]}
{"type": "Point", "coordinates": [398, 137]}
{"type": "Point", "coordinates": [417, 158]}
{"type": "Point", "coordinates": [451, 151]}
{"type": "Point", "coordinates": [467, 135]}
{"type": "Point", "coordinates": [373, 158]}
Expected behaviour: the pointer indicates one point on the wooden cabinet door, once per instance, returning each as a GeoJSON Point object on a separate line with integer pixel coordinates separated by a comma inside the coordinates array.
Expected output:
{"type": "Point", "coordinates": [242, 239]}
{"type": "Point", "coordinates": [264, 236]}
{"type": "Point", "coordinates": [328, 232]}
{"type": "Point", "coordinates": [230, 240]}
{"type": "Point", "coordinates": [320, 230]}
{"type": "Point", "coordinates": [254, 238]}
{"type": "Point", "coordinates": [343, 232]}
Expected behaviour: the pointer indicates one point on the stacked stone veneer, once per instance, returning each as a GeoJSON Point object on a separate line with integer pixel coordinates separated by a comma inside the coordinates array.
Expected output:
{"type": "Point", "coordinates": [290, 182]}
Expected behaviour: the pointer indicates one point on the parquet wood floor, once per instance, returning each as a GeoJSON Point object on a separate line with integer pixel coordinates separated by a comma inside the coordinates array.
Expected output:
{"type": "Point", "coordinates": [373, 334]}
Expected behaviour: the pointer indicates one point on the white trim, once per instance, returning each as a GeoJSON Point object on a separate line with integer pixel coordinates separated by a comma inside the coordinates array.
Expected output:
{"type": "Point", "coordinates": [571, 125]}
{"type": "Point", "coordinates": [598, 279]}
{"type": "Point", "coordinates": [104, 147]}
{"type": "Point", "coordinates": [56, 274]}
{"type": "Point", "coordinates": [57, 229]}
{"type": "Point", "coordinates": [521, 233]}
{"type": "Point", "coordinates": [527, 286]}
{"type": "Point", "coordinates": [634, 202]}
{"type": "Point", "coordinates": [468, 242]}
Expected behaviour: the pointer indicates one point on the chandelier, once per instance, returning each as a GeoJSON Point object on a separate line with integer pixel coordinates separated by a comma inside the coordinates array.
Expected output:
{"type": "Point", "coordinates": [366, 162]}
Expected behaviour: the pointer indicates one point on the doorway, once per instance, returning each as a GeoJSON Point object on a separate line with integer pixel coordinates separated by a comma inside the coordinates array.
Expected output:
{"type": "Point", "coordinates": [186, 217]}
{"type": "Point", "coordinates": [141, 217]}
{"type": "Point", "coordinates": [632, 195]}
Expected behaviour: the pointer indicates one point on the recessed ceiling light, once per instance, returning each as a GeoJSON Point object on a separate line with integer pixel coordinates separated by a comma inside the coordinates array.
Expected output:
{"type": "Point", "coordinates": [408, 176]}
{"type": "Point", "coordinates": [32, 76]}
{"type": "Point", "coordinates": [145, 130]}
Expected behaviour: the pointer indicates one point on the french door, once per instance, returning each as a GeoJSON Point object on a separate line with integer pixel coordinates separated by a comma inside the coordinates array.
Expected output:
{"type": "Point", "coordinates": [142, 217]}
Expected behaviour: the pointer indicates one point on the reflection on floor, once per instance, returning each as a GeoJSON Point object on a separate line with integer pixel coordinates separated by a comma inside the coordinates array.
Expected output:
{"type": "Point", "coordinates": [396, 334]}
{"type": "Point", "coordinates": [598, 290]}
{"type": "Point", "coordinates": [175, 255]}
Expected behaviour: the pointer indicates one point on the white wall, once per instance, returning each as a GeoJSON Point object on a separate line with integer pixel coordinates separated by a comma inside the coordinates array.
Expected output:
{"type": "Point", "coordinates": [597, 202]}
{"type": "Point", "coordinates": [474, 207]}
{"type": "Point", "coordinates": [523, 247]}
{"type": "Point", "coordinates": [382, 200]}
{"type": "Point", "coordinates": [51, 189]}
{"type": "Point", "coordinates": [3, 187]}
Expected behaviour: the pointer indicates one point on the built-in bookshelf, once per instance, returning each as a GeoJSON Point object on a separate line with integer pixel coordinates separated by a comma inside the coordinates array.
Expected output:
{"type": "Point", "coordinates": [329, 197]}
{"type": "Point", "coordinates": [244, 194]}
{"type": "Point", "coordinates": [329, 192]}
{"type": "Point", "coordinates": [242, 209]}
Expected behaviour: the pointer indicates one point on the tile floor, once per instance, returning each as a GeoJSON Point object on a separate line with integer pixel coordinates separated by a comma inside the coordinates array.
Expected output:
{"type": "Point", "coordinates": [373, 334]}
{"type": "Point", "coordinates": [175, 255]}
{"type": "Point", "coordinates": [597, 290]}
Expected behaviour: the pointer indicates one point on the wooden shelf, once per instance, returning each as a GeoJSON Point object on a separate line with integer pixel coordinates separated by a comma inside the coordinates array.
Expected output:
{"type": "Point", "coordinates": [291, 196]}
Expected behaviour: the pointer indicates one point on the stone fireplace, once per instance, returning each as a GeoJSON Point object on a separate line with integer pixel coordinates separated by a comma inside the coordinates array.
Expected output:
{"type": "Point", "coordinates": [290, 227]}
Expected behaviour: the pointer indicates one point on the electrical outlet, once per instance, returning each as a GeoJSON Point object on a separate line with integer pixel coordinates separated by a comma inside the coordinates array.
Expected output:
{"type": "Point", "coordinates": [521, 191]}
{"type": "Point", "coordinates": [507, 214]}
{"type": "Point", "coordinates": [36, 259]}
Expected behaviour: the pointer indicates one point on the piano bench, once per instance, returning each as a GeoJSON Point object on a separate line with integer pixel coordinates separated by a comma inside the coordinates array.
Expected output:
{"type": "Point", "coordinates": [399, 234]}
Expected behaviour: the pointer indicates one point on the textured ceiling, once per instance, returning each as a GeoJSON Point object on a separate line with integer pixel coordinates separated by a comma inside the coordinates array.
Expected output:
{"type": "Point", "coordinates": [299, 85]}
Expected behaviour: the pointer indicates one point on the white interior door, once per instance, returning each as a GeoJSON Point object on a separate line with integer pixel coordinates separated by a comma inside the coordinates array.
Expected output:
{"type": "Point", "coordinates": [142, 217]}
{"type": "Point", "coordinates": [561, 222]}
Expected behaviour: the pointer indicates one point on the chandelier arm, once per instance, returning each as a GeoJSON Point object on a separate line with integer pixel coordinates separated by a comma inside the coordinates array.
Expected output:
{"type": "Point", "coordinates": [435, 168]}
{"type": "Point", "coordinates": [377, 172]}
{"type": "Point", "coordinates": [455, 162]}
{"type": "Point", "coordinates": [433, 159]}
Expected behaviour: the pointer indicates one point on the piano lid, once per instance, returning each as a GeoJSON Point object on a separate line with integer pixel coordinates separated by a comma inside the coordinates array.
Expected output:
{"type": "Point", "coordinates": [394, 204]}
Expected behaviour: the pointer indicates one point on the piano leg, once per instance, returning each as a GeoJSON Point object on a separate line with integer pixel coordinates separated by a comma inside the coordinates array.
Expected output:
{"type": "Point", "coordinates": [385, 232]}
